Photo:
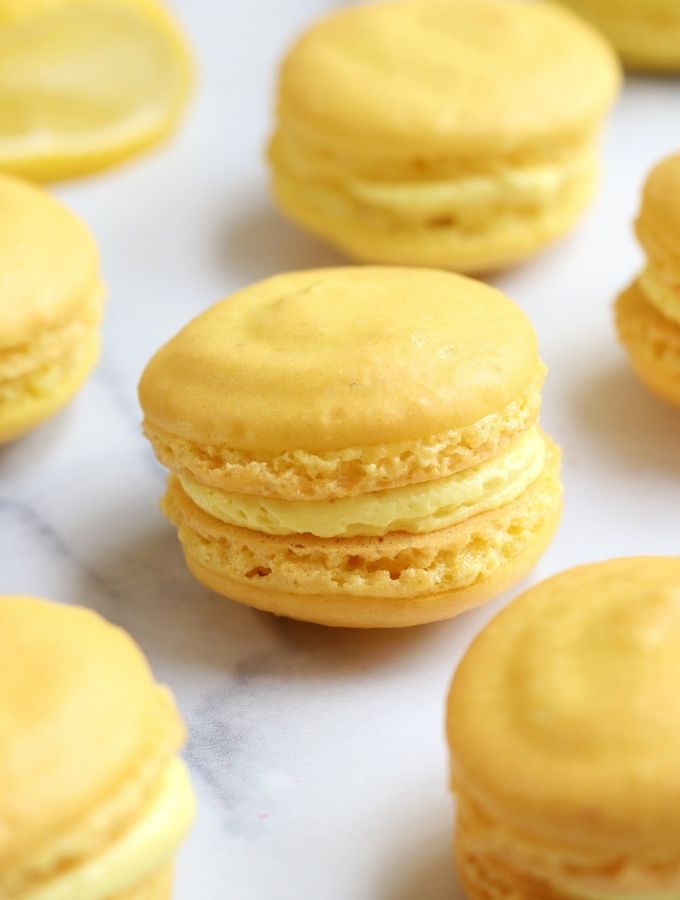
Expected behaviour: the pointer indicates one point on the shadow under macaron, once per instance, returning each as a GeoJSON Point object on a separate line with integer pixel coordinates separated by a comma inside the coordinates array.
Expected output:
{"type": "Point", "coordinates": [629, 421]}
{"type": "Point", "coordinates": [425, 868]}
{"type": "Point", "coordinates": [324, 652]}
{"type": "Point", "coordinates": [264, 243]}
{"type": "Point", "coordinates": [146, 587]}
{"type": "Point", "coordinates": [27, 450]}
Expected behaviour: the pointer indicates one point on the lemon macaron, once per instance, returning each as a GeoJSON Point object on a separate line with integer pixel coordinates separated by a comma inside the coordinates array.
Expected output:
{"type": "Point", "coordinates": [459, 134]}
{"type": "Point", "coordinates": [51, 297]}
{"type": "Point", "coordinates": [564, 725]}
{"type": "Point", "coordinates": [645, 32]}
{"type": "Point", "coordinates": [648, 312]}
{"type": "Point", "coordinates": [356, 446]}
{"type": "Point", "coordinates": [85, 84]}
{"type": "Point", "coordinates": [94, 800]}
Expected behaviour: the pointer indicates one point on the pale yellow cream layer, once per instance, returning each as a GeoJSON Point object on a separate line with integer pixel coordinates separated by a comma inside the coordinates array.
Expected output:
{"type": "Point", "coordinates": [661, 295]}
{"type": "Point", "coordinates": [473, 194]}
{"type": "Point", "coordinates": [462, 195]}
{"type": "Point", "coordinates": [138, 854]}
{"type": "Point", "coordinates": [417, 508]}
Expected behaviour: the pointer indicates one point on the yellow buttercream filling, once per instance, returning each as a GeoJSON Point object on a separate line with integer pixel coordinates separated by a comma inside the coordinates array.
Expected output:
{"type": "Point", "coordinates": [416, 509]}
{"type": "Point", "coordinates": [136, 855]}
{"type": "Point", "coordinates": [476, 194]}
{"type": "Point", "coordinates": [428, 200]}
{"type": "Point", "coordinates": [663, 297]}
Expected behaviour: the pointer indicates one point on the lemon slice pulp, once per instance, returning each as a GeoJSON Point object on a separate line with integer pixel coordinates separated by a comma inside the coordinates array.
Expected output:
{"type": "Point", "coordinates": [84, 84]}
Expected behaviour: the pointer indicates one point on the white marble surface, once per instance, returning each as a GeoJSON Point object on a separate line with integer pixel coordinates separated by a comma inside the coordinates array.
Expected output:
{"type": "Point", "coordinates": [318, 756]}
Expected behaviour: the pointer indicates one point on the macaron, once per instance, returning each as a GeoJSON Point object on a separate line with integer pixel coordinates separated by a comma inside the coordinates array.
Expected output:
{"type": "Point", "coordinates": [460, 134]}
{"type": "Point", "coordinates": [648, 312]}
{"type": "Point", "coordinates": [94, 800]}
{"type": "Point", "coordinates": [51, 297]}
{"type": "Point", "coordinates": [356, 446]}
{"type": "Point", "coordinates": [564, 726]}
{"type": "Point", "coordinates": [646, 33]}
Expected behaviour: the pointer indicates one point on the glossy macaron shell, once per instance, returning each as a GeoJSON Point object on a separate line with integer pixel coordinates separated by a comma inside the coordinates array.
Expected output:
{"type": "Point", "coordinates": [453, 76]}
{"type": "Point", "coordinates": [334, 358]}
{"type": "Point", "coordinates": [564, 715]}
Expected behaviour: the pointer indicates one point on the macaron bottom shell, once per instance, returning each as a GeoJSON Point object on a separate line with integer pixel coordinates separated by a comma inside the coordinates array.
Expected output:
{"type": "Point", "coordinates": [395, 581]}
{"type": "Point", "coordinates": [490, 242]}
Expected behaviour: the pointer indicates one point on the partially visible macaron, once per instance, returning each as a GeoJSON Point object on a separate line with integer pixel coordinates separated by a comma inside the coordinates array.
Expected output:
{"type": "Point", "coordinates": [646, 33]}
{"type": "Point", "coordinates": [51, 297]}
{"type": "Point", "coordinates": [648, 312]}
{"type": "Point", "coordinates": [460, 134]}
{"type": "Point", "coordinates": [356, 446]}
{"type": "Point", "coordinates": [94, 800]}
{"type": "Point", "coordinates": [564, 727]}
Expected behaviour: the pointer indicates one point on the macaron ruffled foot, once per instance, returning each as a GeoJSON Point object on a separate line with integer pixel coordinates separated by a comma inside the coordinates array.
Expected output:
{"type": "Point", "coordinates": [356, 447]}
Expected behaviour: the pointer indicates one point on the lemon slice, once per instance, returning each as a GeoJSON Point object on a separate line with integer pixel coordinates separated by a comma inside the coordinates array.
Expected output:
{"type": "Point", "coordinates": [84, 84]}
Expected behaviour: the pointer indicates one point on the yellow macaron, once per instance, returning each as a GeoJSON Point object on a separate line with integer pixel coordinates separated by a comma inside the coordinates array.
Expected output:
{"type": "Point", "coordinates": [648, 312]}
{"type": "Point", "coordinates": [51, 297]}
{"type": "Point", "coordinates": [460, 134]}
{"type": "Point", "coordinates": [645, 32]}
{"type": "Point", "coordinates": [356, 446]}
{"type": "Point", "coordinates": [564, 725]}
{"type": "Point", "coordinates": [94, 800]}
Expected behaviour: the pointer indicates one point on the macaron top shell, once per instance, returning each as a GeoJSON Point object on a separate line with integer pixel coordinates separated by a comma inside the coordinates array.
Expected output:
{"type": "Point", "coordinates": [564, 716]}
{"type": "Point", "coordinates": [77, 707]}
{"type": "Point", "coordinates": [48, 263]}
{"type": "Point", "coordinates": [336, 358]}
{"type": "Point", "coordinates": [658, 225]}
{"type": "Point", "coordinates": [448, 75]}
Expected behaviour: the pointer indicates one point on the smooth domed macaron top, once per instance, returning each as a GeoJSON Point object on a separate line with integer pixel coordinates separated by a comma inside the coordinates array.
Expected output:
{"type": "Point", "coordinates": [76, 699]}
{"type": "Point", "coordinates": [338, 358]}
{"type": "Point", "coordinates": [564, 716]}
{"type": "Point", "coordinates": [456, 75]}
{"type": "Point", "coordinates": [660, 213]}
{"type": "Point", "coordinates": [48, 262]}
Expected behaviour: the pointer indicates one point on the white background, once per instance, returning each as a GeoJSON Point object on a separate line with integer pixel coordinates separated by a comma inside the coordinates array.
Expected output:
{"type": "Point", "coordinates": [318, 755]}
